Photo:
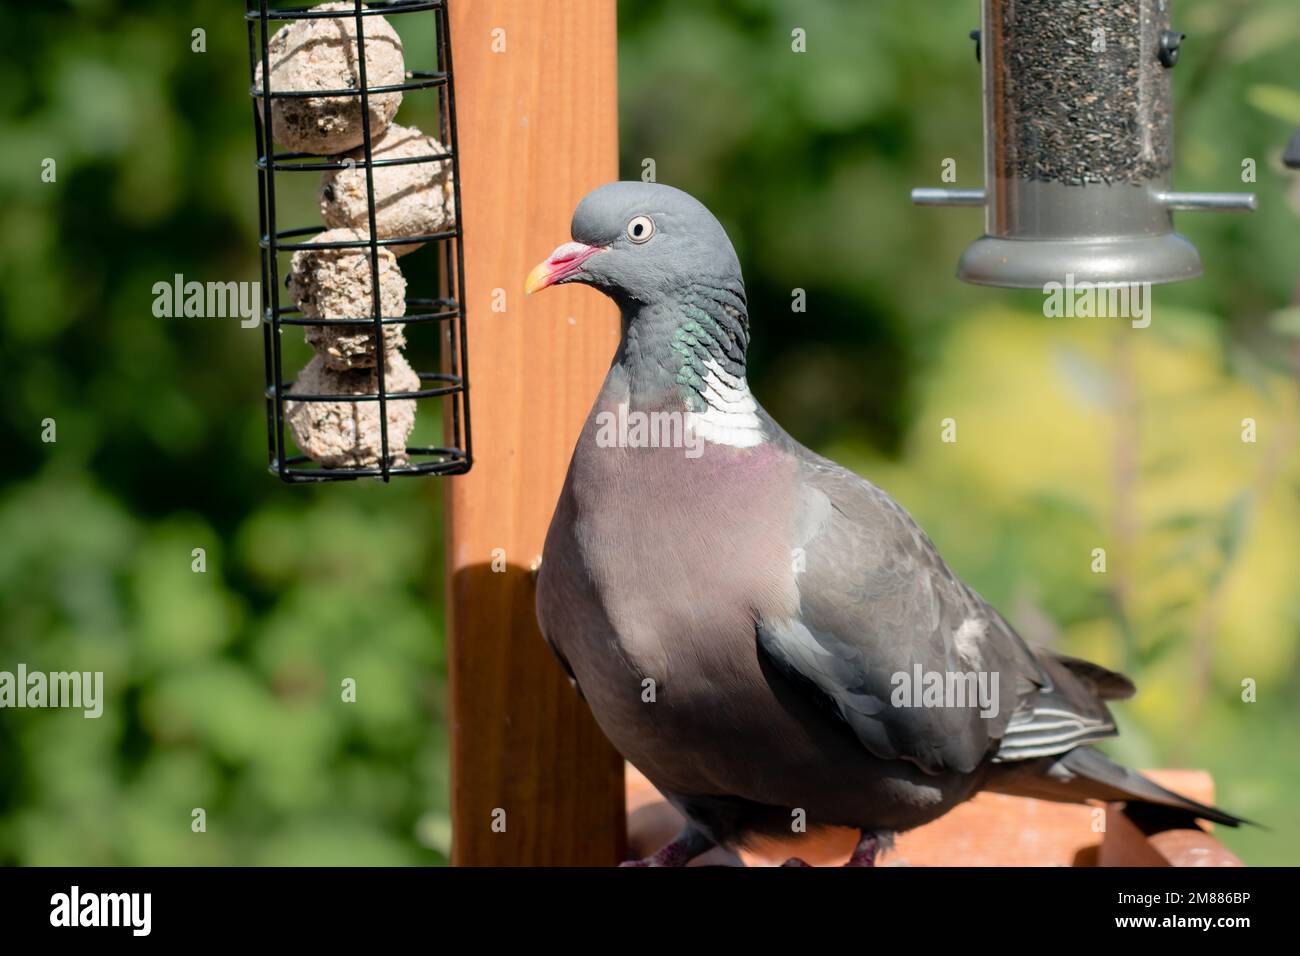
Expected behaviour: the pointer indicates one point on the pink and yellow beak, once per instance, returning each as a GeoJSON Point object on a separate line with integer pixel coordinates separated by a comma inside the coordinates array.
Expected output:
{"type": "Point", "coordinates": [561, 264]}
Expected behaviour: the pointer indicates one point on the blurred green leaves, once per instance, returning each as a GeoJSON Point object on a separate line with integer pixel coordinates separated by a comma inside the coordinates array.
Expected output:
{"type": "Point", "coordinates": [213, 704]}
{"type": "Point", "coordinates": [1277, 101]}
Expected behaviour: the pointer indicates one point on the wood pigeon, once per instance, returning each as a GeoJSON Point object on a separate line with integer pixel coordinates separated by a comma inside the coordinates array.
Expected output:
{"type": "Point", "coordinates": [770, 638]}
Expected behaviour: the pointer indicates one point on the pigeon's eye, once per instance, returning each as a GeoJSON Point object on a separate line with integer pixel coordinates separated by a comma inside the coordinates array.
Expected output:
{"type": "Point", "coordinates": [640, 228]}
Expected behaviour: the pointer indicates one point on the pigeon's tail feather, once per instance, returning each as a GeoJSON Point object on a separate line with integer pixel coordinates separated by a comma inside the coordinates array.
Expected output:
{"type": "Point", "coordinates": [1106, 684]}
{"type": "Point", "coordinates": [1126, 784]}
{"type": "Point", "coordinates": [1088, 774]}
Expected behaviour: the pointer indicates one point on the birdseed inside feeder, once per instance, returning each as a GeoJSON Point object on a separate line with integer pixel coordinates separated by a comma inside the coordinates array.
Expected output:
{"type": "Point", "coordinates": [1078, 133]}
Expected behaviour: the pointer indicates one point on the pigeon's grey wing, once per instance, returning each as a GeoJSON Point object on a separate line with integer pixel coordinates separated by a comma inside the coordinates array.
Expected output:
{"type": "Point", "coordinates": [880, 613]}
{"type": "Point", "coordinates": [545, 619]}
{"type": "Point", "coordinates": [555, 600]}
{"type": "Point", "coordinates": [563, 662]}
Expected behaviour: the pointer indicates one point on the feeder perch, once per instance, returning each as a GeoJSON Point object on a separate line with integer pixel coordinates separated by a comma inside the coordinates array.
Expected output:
{"type": "Point", "coordinates": [357, 400]}
{"type": "Point", "coordinates": [1078, 147]}
{"type": "Point", "coordinates": [1292, 155]}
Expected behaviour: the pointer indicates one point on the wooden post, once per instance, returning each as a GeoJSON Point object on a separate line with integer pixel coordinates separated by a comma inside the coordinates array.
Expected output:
{"type": "Point", "coordinates": [537, 119]}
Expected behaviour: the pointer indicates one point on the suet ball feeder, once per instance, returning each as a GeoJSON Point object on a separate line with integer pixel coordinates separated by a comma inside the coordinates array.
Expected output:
{"type": "Point", "coordinates": [357, 349]}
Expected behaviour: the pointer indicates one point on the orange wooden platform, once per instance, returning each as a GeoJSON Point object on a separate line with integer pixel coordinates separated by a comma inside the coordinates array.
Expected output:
{"type": "Point", "coordinates": [990, 830]}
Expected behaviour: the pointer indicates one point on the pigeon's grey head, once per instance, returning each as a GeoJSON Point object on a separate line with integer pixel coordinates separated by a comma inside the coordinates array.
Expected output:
{"type": "Point", "coordinates": [640, 242]}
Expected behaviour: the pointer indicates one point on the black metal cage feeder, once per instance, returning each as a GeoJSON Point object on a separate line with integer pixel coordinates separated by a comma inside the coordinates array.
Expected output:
{"type": "Point", "coordinates": [445, 390]}
{"type": "Point", "coordinates": [1078, 147]}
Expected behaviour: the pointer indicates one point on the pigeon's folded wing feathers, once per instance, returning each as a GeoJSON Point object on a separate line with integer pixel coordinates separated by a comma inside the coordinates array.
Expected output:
{"type": "Point", "coordinates": [876, 601]}
{"type": "Point", "coordinates": [1066, 714]}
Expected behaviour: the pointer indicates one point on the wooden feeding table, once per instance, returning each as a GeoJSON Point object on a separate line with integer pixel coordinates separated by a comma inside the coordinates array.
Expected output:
{"type": "Point", "coordinates": [990, 830]}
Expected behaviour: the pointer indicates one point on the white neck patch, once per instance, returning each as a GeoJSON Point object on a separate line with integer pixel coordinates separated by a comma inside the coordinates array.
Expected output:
{"type": "Point", "coordinates": [730, 417]}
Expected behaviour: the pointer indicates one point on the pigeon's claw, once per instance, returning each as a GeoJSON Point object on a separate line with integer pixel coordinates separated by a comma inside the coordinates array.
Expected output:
{"type": "Point", "coordinates": [684, 847]}
{"type": "Point", "coordinates": [864, 854]}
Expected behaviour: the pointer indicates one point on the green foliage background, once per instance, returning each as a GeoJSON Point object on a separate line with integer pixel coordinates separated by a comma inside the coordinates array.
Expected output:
{"type": "Point", "coordinates": [1072, 434]}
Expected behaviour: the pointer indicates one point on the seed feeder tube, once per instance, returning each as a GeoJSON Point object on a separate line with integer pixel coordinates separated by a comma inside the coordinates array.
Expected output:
{"type": "Point", "coordinates": [1078, 147]}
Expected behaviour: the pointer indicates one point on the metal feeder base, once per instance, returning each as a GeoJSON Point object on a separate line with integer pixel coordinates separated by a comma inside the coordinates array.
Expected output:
{"type": "Point", "coordinates": [1031, 264]}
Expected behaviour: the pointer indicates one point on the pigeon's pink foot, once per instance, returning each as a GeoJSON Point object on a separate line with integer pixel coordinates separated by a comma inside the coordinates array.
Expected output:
{"type": "Point", "coordinates": [685, 847]}
{"type": "Point", "coordinates": [864, 854]}
{"type": "Point", "coordinates": [795, 861]}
